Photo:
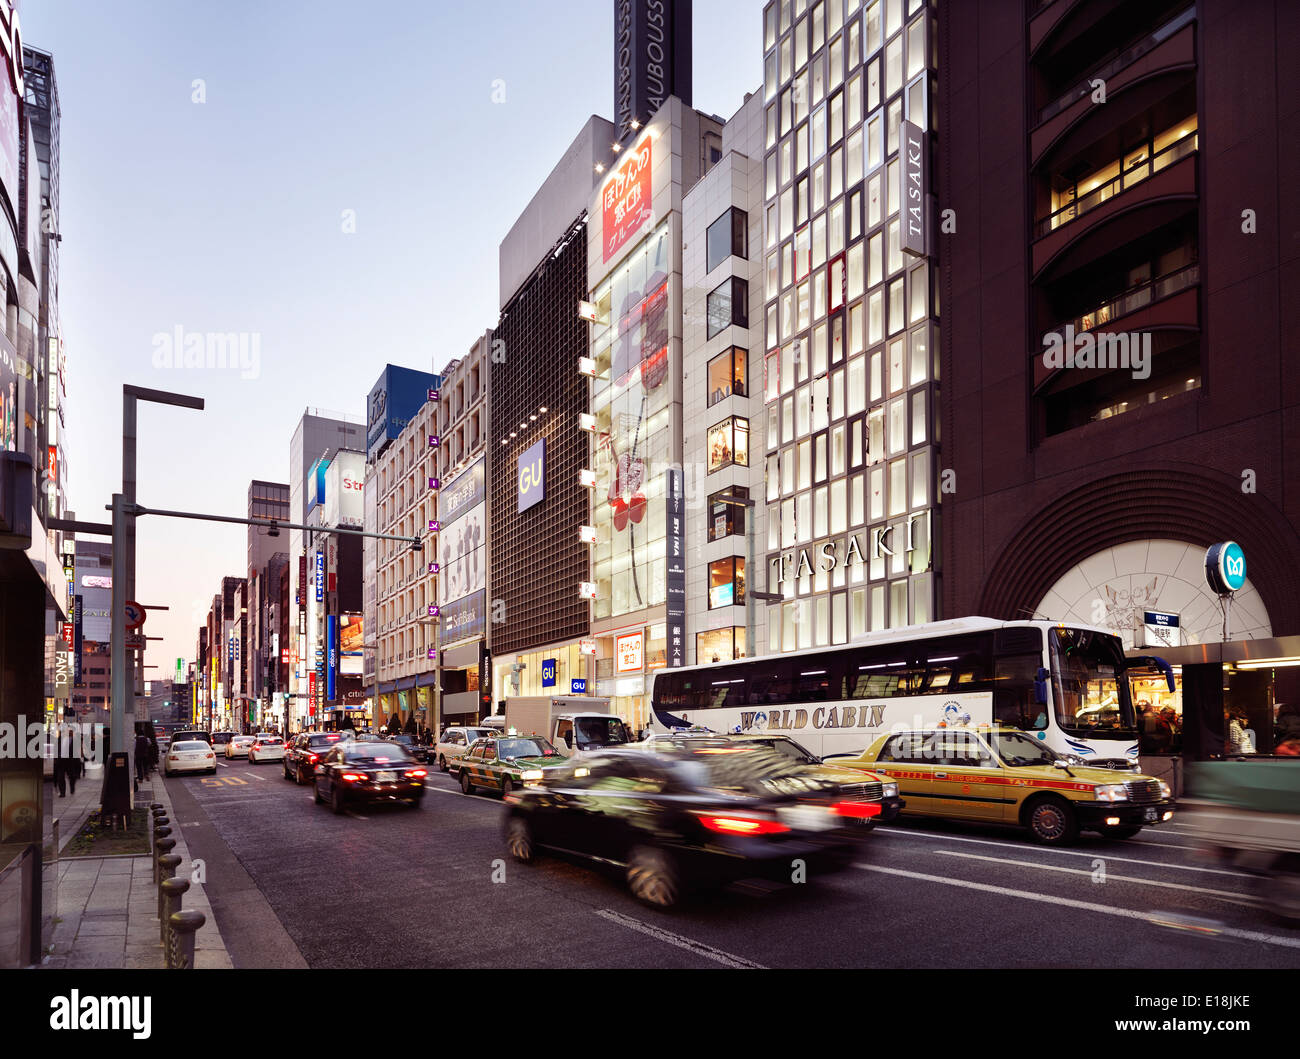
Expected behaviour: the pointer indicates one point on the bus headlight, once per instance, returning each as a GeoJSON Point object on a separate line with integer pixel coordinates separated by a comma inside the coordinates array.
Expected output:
{"type": "Point", "coordinates": [1111, 792]}
{"type": "Point", "coordinates": [890, 790]}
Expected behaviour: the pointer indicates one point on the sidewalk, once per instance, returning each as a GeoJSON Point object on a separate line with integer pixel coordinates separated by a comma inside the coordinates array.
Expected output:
{"type": "Point", "coordinates": [107, 906]}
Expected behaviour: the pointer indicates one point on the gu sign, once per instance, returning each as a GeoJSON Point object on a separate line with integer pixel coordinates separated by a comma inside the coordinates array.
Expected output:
{"type": "Point", "coordinates": [913, 175]}
{"type": "Point", "coordinates": [532, 476]}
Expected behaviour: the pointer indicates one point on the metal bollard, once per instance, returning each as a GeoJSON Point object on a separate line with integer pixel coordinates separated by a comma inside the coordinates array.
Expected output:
{"type": "Point", "coordinates": [159, 831]}
{"type": "Point", "coordinates": [165, 846]}
{"type": "Point", "coordinates": [180, 945]}
{"type": "Point", "coordinates": [169, 902]}
{"type": "Point", "coordinates": [160, 839]}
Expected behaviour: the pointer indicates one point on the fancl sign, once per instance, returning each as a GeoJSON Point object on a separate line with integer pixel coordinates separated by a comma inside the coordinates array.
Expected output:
{"type": "Point", "coordinates": [532, 476]}
{"type": "Point", "coordinates": [1225, 567]}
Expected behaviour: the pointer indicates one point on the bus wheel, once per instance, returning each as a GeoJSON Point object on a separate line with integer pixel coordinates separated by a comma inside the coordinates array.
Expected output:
{"type": "Point", "coordinates": [1052, 822]}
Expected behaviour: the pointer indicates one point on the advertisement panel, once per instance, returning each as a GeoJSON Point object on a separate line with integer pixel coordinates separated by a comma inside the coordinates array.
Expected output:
{"type": "Point", "coordinates": [464, 559]}
{"type": "Point", "coordinates": [625, 199]}
{"type": "Point", "coordinates": [332, 666]}
{"type": "Point", "coordinates": [675, 546]}
{"type": "Point", "coordinates": [629, 655]}
{"type": "Point", "coordinates": [11, 90]}
{"type": "Point", "coordinates": [463, 492]}
{"type": "Point", "coordinates": [351, 640]}
{"type": "Point", "coordinates": [393, 402]}
{"type": "Point", "coordinates": [345, 490]}
{"type": "Point", "coordinates": [465, 619]}
{"type": "Point", "coordinates": [532, 475]}
{"type": "Point", "coordinates": [8, 400]}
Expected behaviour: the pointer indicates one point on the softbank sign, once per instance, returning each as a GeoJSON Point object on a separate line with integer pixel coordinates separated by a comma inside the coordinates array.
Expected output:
{"type": "Point", "coordinates": [1066, 349]}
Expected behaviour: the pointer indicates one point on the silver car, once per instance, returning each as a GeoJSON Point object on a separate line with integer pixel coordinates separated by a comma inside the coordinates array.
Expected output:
{"type": "Point", "coordinates": [453, 744]}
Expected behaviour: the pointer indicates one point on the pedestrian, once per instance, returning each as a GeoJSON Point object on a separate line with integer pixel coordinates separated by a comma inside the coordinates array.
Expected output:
{"type": "Point", "coordinates": [141, 757]}
{"type": "Point", "coordinates": [66, 760]}
{"type": "Point", "coordinates": [1238, 741]}
{"type": "Point", "coordinates": [1288, 723]}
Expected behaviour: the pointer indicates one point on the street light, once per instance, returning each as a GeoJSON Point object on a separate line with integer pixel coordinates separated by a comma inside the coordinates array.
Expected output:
{"type": "Point", "coordinates": [751, 594]}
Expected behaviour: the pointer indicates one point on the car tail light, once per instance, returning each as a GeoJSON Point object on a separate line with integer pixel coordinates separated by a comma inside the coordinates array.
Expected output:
{"type": "Point", "coordinates": [313, 758]}
{"type": "Point", "coordinates": [857, 810]}
{"type": "Point", "coordinates": [353, 776]}
{"type": "Point", "coordinates": [417, 773]}
{"type": "Point", "coordinates": [207, 755]}
{"type": "Point", "coordinates": [731, 824]}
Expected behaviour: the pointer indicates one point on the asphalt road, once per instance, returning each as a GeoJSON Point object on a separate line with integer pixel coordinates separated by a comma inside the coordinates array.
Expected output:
{"type": "Point", "coordinates": [291, 884]}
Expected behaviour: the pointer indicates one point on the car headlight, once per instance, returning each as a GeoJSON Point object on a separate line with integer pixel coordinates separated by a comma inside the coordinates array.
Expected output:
{"type": "Point", "coordinates": [890, 790]}
{"type": "Point", "coordinates": [532, 774]}
{"type": "Point", "coordinates": [1165, 790]}
{"type": "Point", "coordinates": [1111, 792]}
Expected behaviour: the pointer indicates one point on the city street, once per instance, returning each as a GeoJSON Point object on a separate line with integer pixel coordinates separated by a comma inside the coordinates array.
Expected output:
{"type": "Point", "coordinates": [290, 882]}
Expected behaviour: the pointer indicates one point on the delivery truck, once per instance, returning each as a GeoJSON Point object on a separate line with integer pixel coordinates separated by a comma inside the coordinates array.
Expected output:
{"type": "Point", "coordinates": [575, 724]}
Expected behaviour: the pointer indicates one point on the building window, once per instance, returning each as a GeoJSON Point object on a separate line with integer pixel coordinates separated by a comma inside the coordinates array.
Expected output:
{"type": "Point", "coordinates": [719, 645]}
{"type": "Point", "coordinates": [727, 373]}
{"type": "Point", "coordinates": [729, 443]}
{"type": "Point", "coordinates": [728, 304]}
{"type": "Point", "coordinates": [726, 582]}
{"type": "Point", "coordinates": [727, 238]}
{"type": "Point", "coordinates": [727, 519]}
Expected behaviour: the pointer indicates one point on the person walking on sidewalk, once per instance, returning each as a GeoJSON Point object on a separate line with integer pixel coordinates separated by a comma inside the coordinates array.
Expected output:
{"type": "Point", "coordinates": [142, 755]}
{"type": "Point", "coordinates": [67, 760]}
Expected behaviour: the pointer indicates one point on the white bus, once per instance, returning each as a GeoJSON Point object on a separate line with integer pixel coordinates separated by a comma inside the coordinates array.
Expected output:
{"type": "Point", "coordinates": [1064, 684]}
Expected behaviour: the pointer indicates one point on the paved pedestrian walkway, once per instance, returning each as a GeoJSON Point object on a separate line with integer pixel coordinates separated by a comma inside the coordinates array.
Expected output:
{"type": "Point", "coordinates": [107, 907]}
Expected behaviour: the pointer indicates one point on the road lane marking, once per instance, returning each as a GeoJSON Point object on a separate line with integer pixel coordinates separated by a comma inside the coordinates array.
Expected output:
{"type": "Point", "coordinates": [1069, 902]}
{"type": "Point", "coordinates": [1109, 875]}
{"type": "Point", "coordinates": [689, 944]}
{"type": "Point", "coordinates": [1062, 852]}
{"type": "Point", "coordinates": [1167, 845]}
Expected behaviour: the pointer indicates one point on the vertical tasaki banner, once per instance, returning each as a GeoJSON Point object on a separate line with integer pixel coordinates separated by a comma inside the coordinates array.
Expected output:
{"type": "Point", "coordinates": [675, 507]}
{"type": "Point", "coordinates": [532, 475]}
{"type": "Point", "coordinates": [913, 175]}
{"type": "Point", "coordinates": [625, 200]}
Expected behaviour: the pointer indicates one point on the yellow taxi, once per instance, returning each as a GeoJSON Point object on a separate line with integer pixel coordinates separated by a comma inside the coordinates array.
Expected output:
{"type": "Point", "coordinates": [1000, 775]}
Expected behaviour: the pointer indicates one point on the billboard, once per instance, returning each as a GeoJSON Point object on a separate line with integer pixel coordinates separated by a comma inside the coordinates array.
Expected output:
{"type": "Point", "coordinates": [345, 490]}
{"type": "Point", "coordinates": [532, 475]}
{"type": "Point", "coordinates": [625, 198]}
{"type": "Point", "coordinates": [462, 553]}
{"type": "Point", "coordinates": [652, 58]}
{"type": "Point", "coordinates": [351, 640]}
{"type": "Point", "coordinates": [393, 401]}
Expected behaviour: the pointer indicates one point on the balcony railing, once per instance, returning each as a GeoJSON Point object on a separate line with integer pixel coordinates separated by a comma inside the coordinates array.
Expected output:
{"type": "Point", "coordinates": [1133, 175]}
{"type": "Point", "coordinates": [1115, 64]}
{"type": "Point", "coordinates": [1132, 300]}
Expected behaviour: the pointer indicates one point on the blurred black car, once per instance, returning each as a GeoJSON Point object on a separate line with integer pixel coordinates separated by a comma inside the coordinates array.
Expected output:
{"type": "Point", "coordinates": [355, 771]}
{"type": "Point", "coordinates": [420, 753]}
{"type": "Point", "coordinates": [702, 814]}
{"type": "Point", "coordinates": [304, 750]}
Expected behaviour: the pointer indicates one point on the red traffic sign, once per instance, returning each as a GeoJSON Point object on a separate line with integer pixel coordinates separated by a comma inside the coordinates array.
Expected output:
{"type": "Point", "coordinates": [135, 614]}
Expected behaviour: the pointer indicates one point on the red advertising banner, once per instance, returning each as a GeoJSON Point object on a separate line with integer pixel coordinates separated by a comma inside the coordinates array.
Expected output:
{"type": "Point", "coordinates": [52, 464]}
{"type": "Point", "coordinates": [625, 199]}
{"type": "Point", "coordinates": [67, 632]}
{"type": "Point", "coordinates": [311, 694]}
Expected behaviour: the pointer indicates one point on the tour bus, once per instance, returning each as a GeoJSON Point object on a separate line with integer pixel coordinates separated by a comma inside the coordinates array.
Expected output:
{"type": "Point", "coordinates": [1064, 684]}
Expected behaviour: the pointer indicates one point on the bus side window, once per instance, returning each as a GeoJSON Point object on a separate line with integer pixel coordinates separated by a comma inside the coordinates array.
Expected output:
{"type": "Point", "coordinates": [1013, 693]}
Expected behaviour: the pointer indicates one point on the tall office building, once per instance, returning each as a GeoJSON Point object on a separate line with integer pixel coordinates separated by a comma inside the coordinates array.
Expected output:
{"type": "Point", "coordinates": [538, 501]}
{"type": "Point", "coordinates": [1119, 393]}
{"type": "Point", "coordinates": [316, 438]}
{"type": "Point", "coordinates": [266, 500]}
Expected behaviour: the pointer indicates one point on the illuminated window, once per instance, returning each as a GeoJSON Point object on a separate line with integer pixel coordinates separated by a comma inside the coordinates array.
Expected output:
{"type": "Point", "coordinates": [729, 443]}
{"type": "Point", "coordinates": [726, 582]}
{"type": "Point", "coordinates": [727, 374]}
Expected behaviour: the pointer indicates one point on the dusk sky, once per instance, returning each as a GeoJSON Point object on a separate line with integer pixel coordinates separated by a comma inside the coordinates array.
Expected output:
{"type": "Point", "coordinates": [228, 215]}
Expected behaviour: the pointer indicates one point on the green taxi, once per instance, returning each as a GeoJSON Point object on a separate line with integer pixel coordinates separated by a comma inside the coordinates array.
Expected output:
{"type": "Point", "coordinates": [505, 762]}
{"type": "Point", "coordinates": [1000, 775]}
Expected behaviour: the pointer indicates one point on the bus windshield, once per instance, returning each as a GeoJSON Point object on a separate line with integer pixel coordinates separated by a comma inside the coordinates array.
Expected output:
{"type": "Point", "coordinates": [1092, 695]}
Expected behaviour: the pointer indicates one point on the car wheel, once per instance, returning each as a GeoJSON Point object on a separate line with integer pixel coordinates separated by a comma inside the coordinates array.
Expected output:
{"type": "Point", "coordinates": [336, 801]}
{"type": "Point", "coordinates": [315, 794]}
{"type": "Point", "coordinates": [417, 801]}
{"type": "Point", "coordinates": [442, 763]}
{"type": "Point", "coordinates": [1120, 832]}
{"type": "Point", "coordinates": [1282, 892]}
{"type": "Point", "coordinates": [653, 877]}
{"type": "Point", "coordinates": [298, 777]}
{"type": "Point", "coordinates": [1052, 822]}
{"type": "Point", "coordinates": [465, 785]}
{"type": "Point", "coordinates": [519, 840]}
{"type": "Point", "coordinates": [507, 786]}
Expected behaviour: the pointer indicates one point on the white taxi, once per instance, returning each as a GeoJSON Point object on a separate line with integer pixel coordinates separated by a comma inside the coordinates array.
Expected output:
{"type": "Point", "coordinates": [266, 748]}
{"type": "Point", "coordinates": [190, 755]}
